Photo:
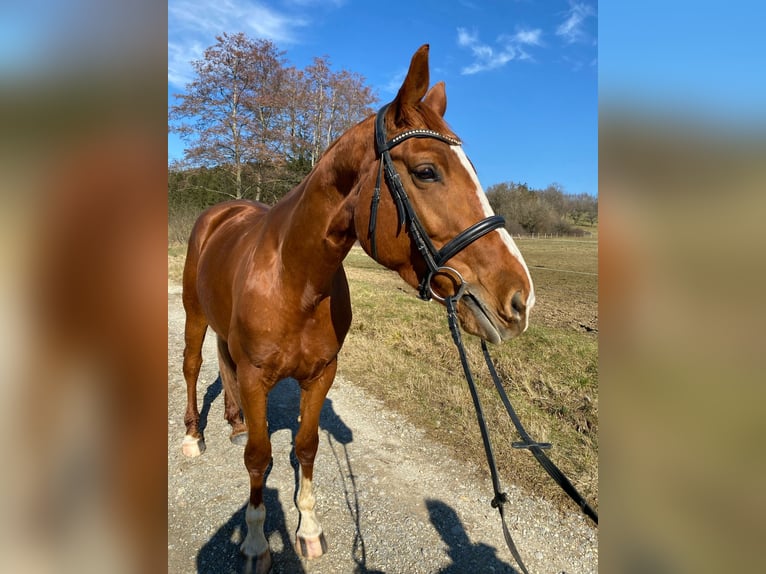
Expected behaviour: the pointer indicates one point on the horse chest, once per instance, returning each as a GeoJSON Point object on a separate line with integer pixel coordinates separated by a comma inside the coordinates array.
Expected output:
{"type": "Point", "coordinates": [290, 344]}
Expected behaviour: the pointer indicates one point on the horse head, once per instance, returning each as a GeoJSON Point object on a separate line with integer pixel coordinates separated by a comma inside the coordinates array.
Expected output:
{"type": "Point", "coordinates": [422, 212]}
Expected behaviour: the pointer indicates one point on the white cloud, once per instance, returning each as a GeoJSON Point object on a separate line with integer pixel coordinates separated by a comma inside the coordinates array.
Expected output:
{"type": "Point", "coordinates": [530, 37]}
{"type": "Point", "coordinates": [395, 82]}
{"type": "Point", "coordinates": [465, 38]}
{"type": "Point", "coordinates": [269, 24]}
{"type": "Point", "coordinates": [506, 48]}
{"type": "Point", "coordinates": [179, 62]}
{"type": "Point", "coordinates": [313, 3]}
{"type": "Point", "coordinates": [203, 16]}
{"type": "Point", "coordinates": [572, 28]}
{"type": "Point", "coordinates": [194, 24]}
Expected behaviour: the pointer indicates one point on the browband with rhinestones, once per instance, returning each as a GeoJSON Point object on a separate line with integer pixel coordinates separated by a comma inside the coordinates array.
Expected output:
{"type": "Point", "coordinates": [426, 134]}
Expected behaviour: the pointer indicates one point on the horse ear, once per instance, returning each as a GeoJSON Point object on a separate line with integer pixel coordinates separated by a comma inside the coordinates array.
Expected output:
{"type": "Point", "coordinates": [415, 84]}
{"type": "Point", "coordinates": [436, 98]}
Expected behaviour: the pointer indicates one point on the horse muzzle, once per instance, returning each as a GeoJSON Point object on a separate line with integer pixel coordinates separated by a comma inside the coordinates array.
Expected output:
{"type": "Point", "coordinates": [480, 319]}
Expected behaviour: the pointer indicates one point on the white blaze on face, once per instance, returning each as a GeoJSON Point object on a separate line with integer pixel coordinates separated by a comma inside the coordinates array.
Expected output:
{"type": "Point", "coordinates": [506, 237]}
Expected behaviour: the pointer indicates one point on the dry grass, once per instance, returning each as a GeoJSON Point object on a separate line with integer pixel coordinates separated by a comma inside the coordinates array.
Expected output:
{"type": "Point", "coordinates": [176, 258]}
{"type": "Point", "coordinates": [400, 350]}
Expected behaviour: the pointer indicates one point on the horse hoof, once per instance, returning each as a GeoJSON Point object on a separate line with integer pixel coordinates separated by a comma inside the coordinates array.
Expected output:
{"type": "Point", "coordinates": [311, 547]}
{"type": "Point", "coordinates": [239, 439]}
{"type": "Point", "coordinates": [192, 446]}
{"type": "Point", "coordinates": [260, 564]}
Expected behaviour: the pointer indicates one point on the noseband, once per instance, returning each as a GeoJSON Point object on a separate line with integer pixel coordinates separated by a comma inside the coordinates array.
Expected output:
{"type": "Point", "coordinates": [434, 258]}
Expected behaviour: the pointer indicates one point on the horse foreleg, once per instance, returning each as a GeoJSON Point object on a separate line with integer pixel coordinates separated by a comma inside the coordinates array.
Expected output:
{"type": "Point", "coordinates": [194, 336]}
{"type": "Point", "coordinates": [310, 540]}
{"type": "Point", "coordinates": [255, 547]}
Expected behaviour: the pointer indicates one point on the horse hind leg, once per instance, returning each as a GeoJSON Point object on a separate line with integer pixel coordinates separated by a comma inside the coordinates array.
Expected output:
{"type": "Point", "coordinates": [310, 540]}
{"type": "Point", "coordinates": [194, 335]}
{"type": "Point", "coordinates": [232, 412]}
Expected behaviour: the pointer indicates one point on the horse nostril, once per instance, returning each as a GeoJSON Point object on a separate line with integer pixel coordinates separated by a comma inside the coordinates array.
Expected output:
{"type": "Point", "coordinates": [517, 303]}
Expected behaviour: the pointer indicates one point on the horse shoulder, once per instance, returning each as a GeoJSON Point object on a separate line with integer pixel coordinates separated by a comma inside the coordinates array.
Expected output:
{"type": "Point", "coordinates": [223, 239]}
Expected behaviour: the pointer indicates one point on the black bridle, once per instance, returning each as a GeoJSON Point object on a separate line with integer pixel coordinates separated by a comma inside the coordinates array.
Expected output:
{"type": "Point", "coordinates": [435, 260]}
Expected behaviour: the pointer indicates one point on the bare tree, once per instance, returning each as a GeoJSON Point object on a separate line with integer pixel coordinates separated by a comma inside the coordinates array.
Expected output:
{"type": "Point", "coordinates": [227, 113]}
{"type": "Point", "coordinates": [335, 101]}
{"type": "Point", "coordinates": [295, 120]}
{"type": "Point", "coordinates": [261, 123]}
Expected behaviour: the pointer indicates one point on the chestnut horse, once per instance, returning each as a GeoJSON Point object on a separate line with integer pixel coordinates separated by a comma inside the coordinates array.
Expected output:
{"type": "Point", "coordinates": [271, 284]}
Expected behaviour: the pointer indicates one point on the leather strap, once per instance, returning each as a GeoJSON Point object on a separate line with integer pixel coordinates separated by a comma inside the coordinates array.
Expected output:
{"type": "Point", "coordinates": [465, 238]}
{"type": "Point", "coordinates": [536, 448]}
{"type": "Point", "coordinates": [501, 498]}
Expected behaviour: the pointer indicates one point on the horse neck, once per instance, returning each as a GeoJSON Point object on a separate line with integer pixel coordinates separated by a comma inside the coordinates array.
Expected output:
{"type": "Point", "coordinates": [318, 216]}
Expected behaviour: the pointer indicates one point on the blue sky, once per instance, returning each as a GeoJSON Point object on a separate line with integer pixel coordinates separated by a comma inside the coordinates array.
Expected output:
{"type": "Point", "coordinates": [521, 76]}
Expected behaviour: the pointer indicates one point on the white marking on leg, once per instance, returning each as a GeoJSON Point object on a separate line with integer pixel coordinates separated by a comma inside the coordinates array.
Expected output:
{"type": "Point", "coordinates": [255, 543]}
{"type": "Point", "coordinates": [487, 208]}
{"type": "Point", "coordinates": [192, 446]}
{"type": "Point", "coordinates": [309, 527]}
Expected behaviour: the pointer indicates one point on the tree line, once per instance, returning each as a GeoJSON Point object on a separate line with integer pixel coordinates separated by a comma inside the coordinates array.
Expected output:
{"type": "Point", "coordinates": [542, 211]}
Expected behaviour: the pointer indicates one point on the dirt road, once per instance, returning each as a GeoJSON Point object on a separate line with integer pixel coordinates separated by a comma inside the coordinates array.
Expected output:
{"type": "Point", "coordinates": [390, 500]}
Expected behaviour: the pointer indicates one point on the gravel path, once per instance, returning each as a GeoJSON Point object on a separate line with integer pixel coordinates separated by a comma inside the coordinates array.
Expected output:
{"type": "Point", "coordinates": [390, 500]}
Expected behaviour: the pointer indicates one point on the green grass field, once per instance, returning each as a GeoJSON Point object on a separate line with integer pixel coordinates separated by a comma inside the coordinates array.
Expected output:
{"type": "Point", "coordinates": [400, 350]}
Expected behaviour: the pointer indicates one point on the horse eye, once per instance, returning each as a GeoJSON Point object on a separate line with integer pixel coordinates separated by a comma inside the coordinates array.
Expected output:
{"type": "Point", "coordinates": [425, 174]}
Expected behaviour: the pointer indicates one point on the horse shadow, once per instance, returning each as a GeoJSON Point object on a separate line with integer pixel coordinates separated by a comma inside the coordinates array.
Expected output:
{"type": "Point", "coordinates": [221, 555]}
{"type": "Point", "coordinates": [466, 556]}
{"type": "Point", "coordinates": [211, 393]}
